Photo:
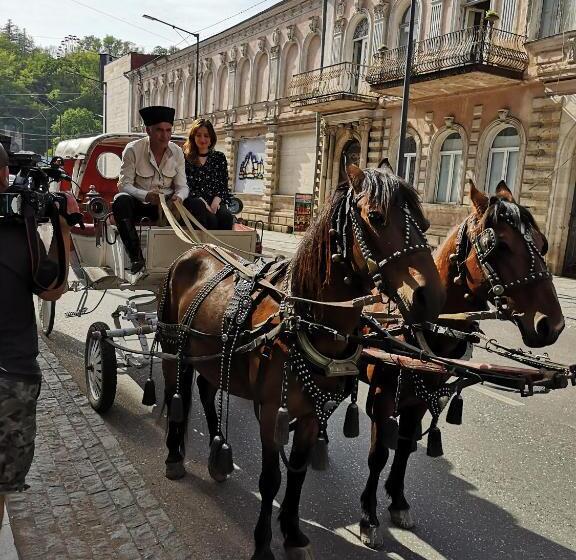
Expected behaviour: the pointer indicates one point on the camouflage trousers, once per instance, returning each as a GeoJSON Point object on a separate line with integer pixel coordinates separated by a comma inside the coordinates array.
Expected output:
{"type": "Point", "coordinates": [17, 432]}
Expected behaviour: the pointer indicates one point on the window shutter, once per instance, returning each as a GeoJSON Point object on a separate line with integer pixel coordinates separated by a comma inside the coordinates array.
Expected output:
{"type": "Point", "coordinates": [508, 13]}
{"type": "Point", "coordinates": [435, 19]}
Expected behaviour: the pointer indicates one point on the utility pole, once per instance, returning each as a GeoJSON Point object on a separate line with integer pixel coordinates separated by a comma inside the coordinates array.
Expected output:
{"type": "Point", "coordinates": [406, 91]}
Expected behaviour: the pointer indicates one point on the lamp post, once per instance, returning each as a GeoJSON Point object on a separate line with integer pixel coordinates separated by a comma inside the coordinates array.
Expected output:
{"type": "Point", "coordinates": [406, 91]}
{"type": "Point", "coordinates": [197, 36]}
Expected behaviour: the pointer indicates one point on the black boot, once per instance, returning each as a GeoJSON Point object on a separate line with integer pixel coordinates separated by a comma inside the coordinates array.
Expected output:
{"type": "Point", "coordinates": [131, 242]}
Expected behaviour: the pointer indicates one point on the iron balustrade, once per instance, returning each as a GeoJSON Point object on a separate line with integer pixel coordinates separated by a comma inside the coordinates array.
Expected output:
{"type": "Point", "coordinates": [481, 46]}
{"type": "Point", "coordinates": [345, 78]}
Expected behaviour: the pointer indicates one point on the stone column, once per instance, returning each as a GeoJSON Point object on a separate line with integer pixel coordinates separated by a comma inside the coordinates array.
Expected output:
{"type": "Point", "coordinates": [472, 154]}
{"type": "Point", "coordinates": [364, 128]}
{"type": "Point", "coordinates": [274, 70]}
{"type": "Point", "coordinates": [270, 175]}
{"type": "Point", "coordinates": [231, 84]}
{"type": "Point", "coordinates": [230, 153]}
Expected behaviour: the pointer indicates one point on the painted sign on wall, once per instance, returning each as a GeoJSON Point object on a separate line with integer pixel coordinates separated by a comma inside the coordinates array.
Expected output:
{"type": "Point", "coordinates": [250, 166]}
{"type": "Point", "coordinates": [302, 211]}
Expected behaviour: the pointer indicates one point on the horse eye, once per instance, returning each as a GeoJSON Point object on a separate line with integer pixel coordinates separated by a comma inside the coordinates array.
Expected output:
{"type": "Point", "coordinates": [376, 218]}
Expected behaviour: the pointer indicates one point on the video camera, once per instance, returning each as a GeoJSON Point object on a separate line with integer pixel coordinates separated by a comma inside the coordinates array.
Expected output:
{"type": "Point", "coordinates": [28, 193]}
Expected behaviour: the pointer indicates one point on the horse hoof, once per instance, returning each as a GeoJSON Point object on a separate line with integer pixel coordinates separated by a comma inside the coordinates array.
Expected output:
{"type": "Point", "coordinates": [371, 537]}
{"type": "Point", "coordinates": [220, 477]}
{"type": "Point", "coordinates": [175, 471]}
{"type": "Point", "coordinates": [299, 553]}
{"type": "Point", "coordinates": [402, 518]}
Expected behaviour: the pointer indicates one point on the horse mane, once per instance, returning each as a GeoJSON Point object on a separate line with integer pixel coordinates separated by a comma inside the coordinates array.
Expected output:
{"type": "Point", "coordinates": [312, 263]}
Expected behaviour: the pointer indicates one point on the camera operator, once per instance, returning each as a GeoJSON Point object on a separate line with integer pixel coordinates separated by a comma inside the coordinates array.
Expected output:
{"type": "Point", "coordinates": [22, 275]}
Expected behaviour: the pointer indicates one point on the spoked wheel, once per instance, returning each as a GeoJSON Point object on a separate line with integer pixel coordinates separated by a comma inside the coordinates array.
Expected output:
{"type": "Point", "coordinates": [101, 370]}
{"type": "Point", "coordinates": [45, 310]}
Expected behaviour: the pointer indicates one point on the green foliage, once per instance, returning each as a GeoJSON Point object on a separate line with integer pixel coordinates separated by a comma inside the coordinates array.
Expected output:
{"type": "Point", "coordinates": [77, 121]}
{"type": "Point", "coordinates": [45, 84]}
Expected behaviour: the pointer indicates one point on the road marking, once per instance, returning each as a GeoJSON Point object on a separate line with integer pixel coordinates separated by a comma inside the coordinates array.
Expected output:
{"type": "Point", "coordinates": [497, 396]}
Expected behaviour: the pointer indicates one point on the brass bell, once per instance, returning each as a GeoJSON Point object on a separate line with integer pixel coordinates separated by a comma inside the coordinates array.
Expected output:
{"type": "Point", "coordinates": [333, 232]}
{"type": "Point", "coordinates": [458, 280]}
{"type": "Point", "coordinates": [347, 280]}
{"type": "Point", "coordinates": [453, 258]}
{"type": "Point", "coordinates": [336, 258]}
{"type": "Point", "coordinates": [467, 295]}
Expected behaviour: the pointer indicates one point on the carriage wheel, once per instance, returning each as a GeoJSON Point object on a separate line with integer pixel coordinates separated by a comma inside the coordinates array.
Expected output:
{"type": "Point", "coordinates": [101, 370]}
{"type": "Point", "coordinates": [46, 310]}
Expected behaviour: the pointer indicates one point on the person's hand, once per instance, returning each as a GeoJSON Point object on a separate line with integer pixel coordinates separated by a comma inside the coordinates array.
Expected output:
{"type": "Point", "coordinates": [207, 205]}
{"type": "Point", "coordinates": [215, 206]}
{"type": "Point", "coordinates": [176, 199]}
{"type": "Point", "coordinates": [153, 198]}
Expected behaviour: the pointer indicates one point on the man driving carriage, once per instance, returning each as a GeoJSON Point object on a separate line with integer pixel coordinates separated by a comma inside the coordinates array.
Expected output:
{"type": "Point", "coordinates": [151, 167]}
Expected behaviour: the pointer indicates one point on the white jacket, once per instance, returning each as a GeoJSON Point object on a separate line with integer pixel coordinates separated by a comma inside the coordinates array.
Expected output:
{"type": "Point", "coordinates": [140, 174]}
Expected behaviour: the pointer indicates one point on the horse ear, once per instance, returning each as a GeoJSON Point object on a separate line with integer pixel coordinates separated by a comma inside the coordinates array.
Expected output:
{"type": "Point", "coordinates": [479, 199]}
{"type": "Point", "coordinates": [504, 192]}
{"type": "Point", "coordinates": [385, 164]}
{"type": "Point", "coordinates": [355, 176]}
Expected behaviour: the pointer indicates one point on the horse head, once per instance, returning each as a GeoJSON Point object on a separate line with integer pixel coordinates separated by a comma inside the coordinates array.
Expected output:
{"type": "Point", "coordinates": [499, 257]}
{"type": "Point", "coordinates": [390, 246]}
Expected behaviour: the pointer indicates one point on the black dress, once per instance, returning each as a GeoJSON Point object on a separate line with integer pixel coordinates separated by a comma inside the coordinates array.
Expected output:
{"type": "Point", "coordinates": [206, 182]}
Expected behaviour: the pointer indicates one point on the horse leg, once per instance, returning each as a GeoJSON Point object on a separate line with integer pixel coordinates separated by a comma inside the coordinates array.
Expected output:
{"type": "Point", "coordinates": [269, 483]}
{"type": "Point", "coordinates": [399, 508]}
{"type": "Point", "coordinates": [175, 439]}
{"type": "Point", "coordinates": [296, 543]}
{"type": "Point", "coordinates": [207, 396]}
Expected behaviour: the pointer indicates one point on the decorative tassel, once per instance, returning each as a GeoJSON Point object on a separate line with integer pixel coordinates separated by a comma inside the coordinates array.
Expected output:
{"type": "Point", "coordinates": [149, 396]}
{"type": "Point", "coordinates": [454, 414]}
{"type": "Point", "coordinates": [224, 460]}
{"type": "Point", "coordinates": [434, 447]}
{"type": "Point", "coordinates": [390, 433]}
{"type": "Point", "coordinates": [352, 421]}
{"type": "Point", "coordinates": [319, 455]}
{"type": "Point", "coordinates": [282, 427]}
{"type": "Point", "coordinates": [176, 409]}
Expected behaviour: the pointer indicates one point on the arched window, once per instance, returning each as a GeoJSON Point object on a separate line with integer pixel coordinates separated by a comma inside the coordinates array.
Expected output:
{"type": "Point", "coordinates": [313, 54]}
{"type": "Point", "coordinates": [350, 154]}
{"type": "Point", "coordinates": [360, 43]}
{"type": "Point", "coordinates": [223, 90]}
{"type": "Point", "coordinates": [262, 79]}
{"type": "Point", "coordinates": [556, 17]}
{"type": "Point", "coordinates": [503, 159]}
{"type": "Point", "coordinates": [410, 153]}
{"type": "Point", "coordinates": [290, 67]}
{"type": "Point", "coordinates": [208, 97]}
{"type": "Point", "coordinates": [178, 100]}
{"type": "Point", "coordinates": [244, 84]}
{"type": "Point", "coordinates": [404, 30]}
{"type": "Point", "coordinates": [450, 170]}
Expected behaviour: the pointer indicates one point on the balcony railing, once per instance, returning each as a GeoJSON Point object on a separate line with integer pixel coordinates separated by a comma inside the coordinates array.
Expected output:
{"type": "Point", "coordinates": [479, 47]}
{"type": "Point", "coordinates": [344, 79]}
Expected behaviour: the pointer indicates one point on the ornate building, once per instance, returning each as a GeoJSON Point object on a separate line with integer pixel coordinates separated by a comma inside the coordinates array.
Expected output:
{"type": "Point", "coordinates": [491, 99]}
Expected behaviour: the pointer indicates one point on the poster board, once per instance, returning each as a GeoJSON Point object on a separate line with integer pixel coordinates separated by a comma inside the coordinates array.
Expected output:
{"type": "Point", "coordinates": [250, 166]}
{"type": "Point", "coordinates": [302, 211]}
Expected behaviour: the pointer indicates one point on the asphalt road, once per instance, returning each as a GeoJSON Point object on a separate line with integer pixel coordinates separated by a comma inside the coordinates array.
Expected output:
{"type": "Point", "coordinates": [505, 488]}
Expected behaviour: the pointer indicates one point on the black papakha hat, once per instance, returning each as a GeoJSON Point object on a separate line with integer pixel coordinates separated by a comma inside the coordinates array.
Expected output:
{"type": "Point", "coordinates": [157, 114]}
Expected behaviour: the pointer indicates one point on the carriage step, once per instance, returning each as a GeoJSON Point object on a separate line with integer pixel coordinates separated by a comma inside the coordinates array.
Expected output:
{"type": "Point", "coordinates": [101, 278]}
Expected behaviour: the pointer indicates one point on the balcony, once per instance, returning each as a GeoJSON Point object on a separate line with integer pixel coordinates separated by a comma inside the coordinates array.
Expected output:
{"type": "Point", "coordinates": [465, 60]}
{"type": "Point", "coordinates": [333, 88]}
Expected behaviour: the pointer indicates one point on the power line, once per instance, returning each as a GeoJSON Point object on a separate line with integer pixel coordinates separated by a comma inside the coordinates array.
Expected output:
{"type": "Point", "coordinates": [119, 19]}
{"type": "Point", "coordinates": [232, 16]}
{"type": "Point", "coordinates": [37, 94]}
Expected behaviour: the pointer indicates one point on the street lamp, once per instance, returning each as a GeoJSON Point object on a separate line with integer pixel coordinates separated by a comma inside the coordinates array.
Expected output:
{"type": "Point", "coordinates": [197, 36]}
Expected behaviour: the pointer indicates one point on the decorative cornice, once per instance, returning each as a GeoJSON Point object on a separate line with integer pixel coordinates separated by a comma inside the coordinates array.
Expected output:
{"type": "Point", "coordinates": [261, 44]}
{"type": "Point", "coordinates": [339, 25]}
{"type": "Point", "coordinates": [276, 37]}
{"type": "Point", "coordinates": [291, 32]}
{"type": "Point", "coordinates": [314, 23]}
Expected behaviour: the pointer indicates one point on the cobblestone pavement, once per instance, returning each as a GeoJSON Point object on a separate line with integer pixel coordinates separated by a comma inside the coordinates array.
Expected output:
{"type": "Point", "coordinates": [86, 500]}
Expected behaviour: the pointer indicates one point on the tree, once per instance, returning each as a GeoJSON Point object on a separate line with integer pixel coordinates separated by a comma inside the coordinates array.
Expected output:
{"type": "Point", "coordinates": [77, 121]}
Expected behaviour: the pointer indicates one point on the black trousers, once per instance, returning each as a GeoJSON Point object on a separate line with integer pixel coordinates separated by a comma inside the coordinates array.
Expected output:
{"type": "Point", "coordinates": [128, 211]}
{"type": "Point", "coordinates": [223, 219]}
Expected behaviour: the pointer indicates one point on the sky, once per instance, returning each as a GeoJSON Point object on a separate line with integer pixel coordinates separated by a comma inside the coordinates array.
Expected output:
{"type": "Point", "coordinates": [49, 22]}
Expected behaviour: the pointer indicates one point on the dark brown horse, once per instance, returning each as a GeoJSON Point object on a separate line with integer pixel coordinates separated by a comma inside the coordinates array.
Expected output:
{"type": "Point", "coordinates": [496, 255]}
{"type": "Point", "coordinates": [369, 234]}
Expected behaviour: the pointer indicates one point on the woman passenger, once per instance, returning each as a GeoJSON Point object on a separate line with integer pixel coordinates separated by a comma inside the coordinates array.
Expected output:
{"type": "Point", "coordinates": [207, 176]}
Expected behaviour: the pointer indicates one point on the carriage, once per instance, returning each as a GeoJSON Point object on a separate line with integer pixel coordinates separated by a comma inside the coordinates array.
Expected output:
{"type": "Point", "coordinates": [99, 258]}
{"type": "Point", "coordinates": [268, 315]}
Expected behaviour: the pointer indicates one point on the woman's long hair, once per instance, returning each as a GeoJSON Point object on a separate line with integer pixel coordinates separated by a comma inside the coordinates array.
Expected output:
{"type": "Point", "coordinates": [190, 148]}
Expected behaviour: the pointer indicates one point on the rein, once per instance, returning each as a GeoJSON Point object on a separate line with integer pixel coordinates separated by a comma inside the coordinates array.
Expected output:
{"type": "Point", "coordinates": [485, 244]}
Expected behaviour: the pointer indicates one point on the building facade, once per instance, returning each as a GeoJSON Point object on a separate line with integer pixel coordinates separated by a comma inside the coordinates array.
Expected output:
{"type": "Point", "coordinates": [490, 99]}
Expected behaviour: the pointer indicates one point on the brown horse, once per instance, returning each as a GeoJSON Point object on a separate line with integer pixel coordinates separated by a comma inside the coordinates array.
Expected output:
{"type": "Point", "coordinates": [496, 255]}
{"type": "Point", "coordinates": [369, 234]}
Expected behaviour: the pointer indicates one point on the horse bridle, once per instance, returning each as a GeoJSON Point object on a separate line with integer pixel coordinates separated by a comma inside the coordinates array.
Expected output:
{"type": "Point", "coordinates": [375, 268]}
{"type": "Point", "coordinates": [485, 243]}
